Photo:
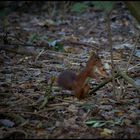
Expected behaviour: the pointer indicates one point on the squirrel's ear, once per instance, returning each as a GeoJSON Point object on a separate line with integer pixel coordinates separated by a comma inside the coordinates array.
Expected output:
{"type": "Point", "coordinates": [93, 53]}
{"type": "Point", "coordinates": [97, 53]}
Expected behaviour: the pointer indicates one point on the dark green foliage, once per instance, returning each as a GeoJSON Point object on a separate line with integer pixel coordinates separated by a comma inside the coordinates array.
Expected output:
{"type": "Point", "coordinates": [79, 7]}
{"type": "Point", "coordinates": [101, 5]}
{"type": "Point", "coordinates": [104, 5]}
{"type": "Point", "coordinates": [33, 38]}
{"type": "Point", "coordinates": [56, 44]}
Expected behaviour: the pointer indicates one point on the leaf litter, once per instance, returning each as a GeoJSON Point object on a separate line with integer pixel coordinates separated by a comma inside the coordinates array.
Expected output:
{"type": "Point", "coordinates": [25, 79]}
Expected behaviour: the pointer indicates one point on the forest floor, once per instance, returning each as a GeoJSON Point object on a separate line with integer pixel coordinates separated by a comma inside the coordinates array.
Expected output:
{"type": "Point", "coordinates": [35, 48]}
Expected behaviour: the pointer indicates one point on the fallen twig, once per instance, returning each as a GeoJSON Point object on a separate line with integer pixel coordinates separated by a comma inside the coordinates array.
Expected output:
{"type": "Point", "coordinates": [120, 74]}
{"type": "Point", "coordinates": [104, 83]}
{"type": "Point", "coordinates": [129, 80]}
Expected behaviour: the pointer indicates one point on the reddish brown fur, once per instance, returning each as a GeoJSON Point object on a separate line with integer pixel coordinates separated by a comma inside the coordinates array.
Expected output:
{"type": "Point", "coordinates": [69, 80]}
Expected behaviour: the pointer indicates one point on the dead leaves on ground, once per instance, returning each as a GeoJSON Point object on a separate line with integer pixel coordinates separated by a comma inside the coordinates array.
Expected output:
{"type": "Point", "coordinates": [25, 80]}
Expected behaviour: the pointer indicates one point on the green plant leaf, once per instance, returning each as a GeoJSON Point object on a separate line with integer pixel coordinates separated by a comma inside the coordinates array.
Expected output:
{"type": "Point", "coordinates": [108, 5]}
{"type": "Point", "coordinates": [33, 38]}
{"type": "Point", "coordinates": [4, 12]}
{"type": "Point", "coordinates": [56, 44]}
{"type": "Point", "coordinates": [104, 5]}
{"type": "Point", "coordinates": [99, 123]}
{"type": "Point", "coordinates": [79, 7]}
{"type": "Point", "coordinates": [96, 123]}
{"type": "Point", "coordinates": [88, 106]}
{"type": "Point", "coordinates": [98, 5]}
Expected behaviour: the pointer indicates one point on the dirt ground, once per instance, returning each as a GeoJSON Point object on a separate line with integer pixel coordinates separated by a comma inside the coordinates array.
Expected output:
{"type": "Point", "coordinates": [36, 47]}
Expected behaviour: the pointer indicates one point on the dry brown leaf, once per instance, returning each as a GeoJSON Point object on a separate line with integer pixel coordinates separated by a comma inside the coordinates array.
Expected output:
{"type": "Point", "coordinates": [107, 132]}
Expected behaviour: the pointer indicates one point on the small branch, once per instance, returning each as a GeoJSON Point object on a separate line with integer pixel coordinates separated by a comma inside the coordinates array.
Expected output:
{"type": "Point", "coordinates": [104, 83]}
{"type": "Point", "coordinates": [48, 93]}
{"type": "Point", "coordinates": [37, 57]}
{"type": "Point", "coordinates": [120, 74]}
{"type": "Point", "coordinates": [16, 117]}
{"type": "Point", "coordinates": [131, 55]}
{"type": "Point", "coordinates": [129, 80]}
{"type": "Point", "coordinates": [134, 67]}
{"type": "Point", "coordinates": [81, 43]}
{"type": "Point", "coordinates": [111, 50]}
{"type": "Point", "coordinates": [23, 112]}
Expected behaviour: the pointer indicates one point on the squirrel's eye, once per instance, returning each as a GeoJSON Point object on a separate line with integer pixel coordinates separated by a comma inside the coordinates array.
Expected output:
{"type": "Point", "coordinates": [97, 59]}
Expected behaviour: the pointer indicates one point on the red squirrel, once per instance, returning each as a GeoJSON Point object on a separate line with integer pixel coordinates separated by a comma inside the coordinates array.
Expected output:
{"type": "Point", "coordinates": [78, 82]}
